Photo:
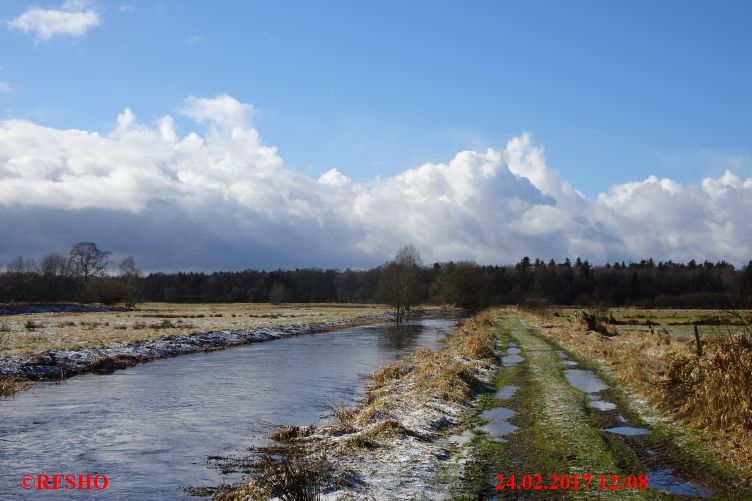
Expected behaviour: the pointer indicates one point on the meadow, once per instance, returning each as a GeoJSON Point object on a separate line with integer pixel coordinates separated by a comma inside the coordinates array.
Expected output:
{"type": "Point", "coordinates": [679, 323]}
{"type": "Point", "coordinates": [28, 334]}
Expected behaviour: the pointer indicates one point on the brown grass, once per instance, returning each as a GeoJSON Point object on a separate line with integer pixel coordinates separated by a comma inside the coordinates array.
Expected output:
{"type": "Point", "coordinates": [10, 386]}
{"type": "Point", "coordinates": [712, 393]}
{"type": "Point", "coordinates": [289, 433]}
{"type": "Point", "coordinates": [448, 374]}
{"type": "Point", "coordinates": [35, 333]}
{"type": "Point", "coordinates": [288, 480]}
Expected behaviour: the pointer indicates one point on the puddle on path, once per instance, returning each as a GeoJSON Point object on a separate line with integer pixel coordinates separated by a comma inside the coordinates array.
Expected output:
{"type": "Point", "coordinates": [584, 380]}
{"type": "Point", "coordinates": [511, 360]}
{"type": "Point", "coordinates": [666, 481]}
{"type": "Point", "coordinates": [568, 362]}
{"type": "Point", "coordinates": [561, 354]}
{"type": "Point", "coordinates": [497, 425]}
{"type": "Point", "coordinates": [628, 431]}
{"type": "Point", "coordinates": [497, 413]}
{"type": "Point", "coordinates": [506, 392]}
{"type": "Point", "coordinates": [602, 405]}
{"type": "Point", "coordinates": [513, 351]}
{"type": "Point", "coordinates": [497, 429]}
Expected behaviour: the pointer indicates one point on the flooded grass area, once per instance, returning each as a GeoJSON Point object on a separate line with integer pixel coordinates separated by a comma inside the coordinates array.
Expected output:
{"type": "Point", "coordinates": [27, 334]}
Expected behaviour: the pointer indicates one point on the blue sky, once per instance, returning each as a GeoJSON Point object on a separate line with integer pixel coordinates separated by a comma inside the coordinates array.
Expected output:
{"type": "Point", "coordinates": [614, 91]}
{"type": "Point", "coordinates": [213, 135]}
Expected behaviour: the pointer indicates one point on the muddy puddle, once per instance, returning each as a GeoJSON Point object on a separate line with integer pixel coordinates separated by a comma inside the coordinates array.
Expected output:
{"type": "Point", "coordinates": [506, 392]}
{"type": "Point", "coordinates": [602, 405]}
{"type": "Point", "coordinates": [511, 360]}
{"type": "Point", "coordinates": [497, 425]}
{"type": "Point", "coordinates": [628, 431]}
{"type": "Point", "coordinates": [584, 380]}
{"type": "Point", "coordinates": [666, 481]}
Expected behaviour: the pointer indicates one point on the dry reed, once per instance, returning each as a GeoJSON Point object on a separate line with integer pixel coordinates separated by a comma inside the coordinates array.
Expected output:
{"type": "Point", "coordinates": [712, 393]}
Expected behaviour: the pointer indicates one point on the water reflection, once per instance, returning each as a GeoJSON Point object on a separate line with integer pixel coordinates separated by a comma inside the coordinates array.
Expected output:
{"type": "Point", "coordinates": [665, 480]}
{"type": "Point", "coordinates": [406, 337]}
{"type": "Point", "coordinates": [585, 381]}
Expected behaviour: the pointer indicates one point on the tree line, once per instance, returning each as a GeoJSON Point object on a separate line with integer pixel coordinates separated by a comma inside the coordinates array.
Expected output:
{"type": "Point", "coordinates": [84, 274]}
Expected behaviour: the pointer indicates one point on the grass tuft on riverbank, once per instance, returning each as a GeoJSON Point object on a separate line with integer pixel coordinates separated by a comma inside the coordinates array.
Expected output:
{"type": "Point", "coordinates": [11, 386]}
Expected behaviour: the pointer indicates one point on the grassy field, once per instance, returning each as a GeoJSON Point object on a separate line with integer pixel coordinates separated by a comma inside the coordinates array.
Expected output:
{"type": "Point", "coordinates": [39, 332]}
{"type": "Point", "coordinates": [678, 323]}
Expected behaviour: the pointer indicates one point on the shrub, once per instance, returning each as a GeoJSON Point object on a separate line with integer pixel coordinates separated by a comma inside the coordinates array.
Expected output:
{"type": "Point", "coordinates": [30, 325]}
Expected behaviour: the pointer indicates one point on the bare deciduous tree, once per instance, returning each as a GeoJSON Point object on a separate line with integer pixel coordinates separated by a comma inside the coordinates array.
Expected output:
{"type": "Point", "coordinates": [20, 264]}
{"type": "Point", "coordinates": [88, 260]}
{"type": "Point", "coordinates": [130, 274]}
{"type": "Point", "coordinates": [55, 264]}
{"type": "Point", "coordinates": [128, 268]}
{"type": "Point", "coordinates": [400, 281]}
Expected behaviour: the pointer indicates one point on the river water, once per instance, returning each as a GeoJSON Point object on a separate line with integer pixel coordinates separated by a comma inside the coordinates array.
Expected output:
{"type": "Point", "coordinates": [151, 428]}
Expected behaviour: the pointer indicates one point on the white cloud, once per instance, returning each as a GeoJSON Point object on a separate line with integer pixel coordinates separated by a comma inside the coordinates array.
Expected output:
{"type": "Point", "coordinates": [221, 111]}
{"type": "Point", "coordinates": [72, 18]}
{"type": "Point", "coordinates": [334, 178]}
{"type": "Point", "coordinates": [5, 87]}
{"type": "Point", "coordinates": [223, 199]}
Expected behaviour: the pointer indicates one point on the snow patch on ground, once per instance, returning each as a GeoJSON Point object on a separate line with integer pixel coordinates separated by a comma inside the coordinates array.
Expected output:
{"type": "Point", "coordinates": [409, 466]}
{"type": "Point", "coordinates": [66, 363]}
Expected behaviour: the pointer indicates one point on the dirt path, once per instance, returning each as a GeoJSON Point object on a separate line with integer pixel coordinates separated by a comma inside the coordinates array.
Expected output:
{"type": "Point", "coordinates": [558, 414]}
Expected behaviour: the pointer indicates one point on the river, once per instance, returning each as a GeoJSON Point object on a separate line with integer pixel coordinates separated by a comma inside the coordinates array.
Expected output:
{"type": "Point", "coordinates": [151, 428]}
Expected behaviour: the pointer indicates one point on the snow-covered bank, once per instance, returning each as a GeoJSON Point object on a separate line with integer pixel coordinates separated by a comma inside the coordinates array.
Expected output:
{"type": "Point", "coordinates": [58, 364]}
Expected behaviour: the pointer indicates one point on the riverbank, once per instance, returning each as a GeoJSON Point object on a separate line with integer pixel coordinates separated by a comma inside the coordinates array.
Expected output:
{"type": "Point", "coordinates": [38, 332]}
{"type": "Point", "coordinates": [396, 442]}
{"type": "Point", "coordinates": [54, 364]}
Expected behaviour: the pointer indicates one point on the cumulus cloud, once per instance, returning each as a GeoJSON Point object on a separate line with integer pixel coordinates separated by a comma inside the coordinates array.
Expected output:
{"type": "Point", "coordinates": [221, 198]}
{"type": "Point", "coordinates": [221, 111]}
{"type": "Point", "coordinates": [72, 18]}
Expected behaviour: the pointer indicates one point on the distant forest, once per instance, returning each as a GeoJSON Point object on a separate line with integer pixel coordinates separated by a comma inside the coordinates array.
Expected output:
{"type": "Point", "coordinates": [80, 276]}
